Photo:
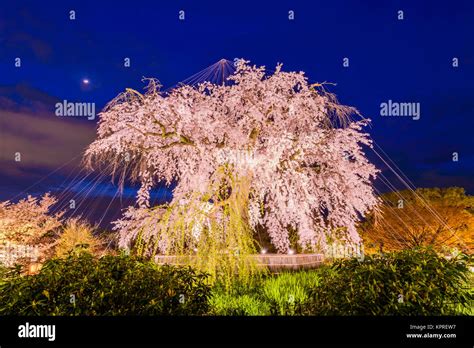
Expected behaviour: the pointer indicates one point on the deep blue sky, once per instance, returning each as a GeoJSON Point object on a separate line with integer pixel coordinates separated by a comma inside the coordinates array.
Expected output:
{"type": "Point", "coordinates": [405, 61]}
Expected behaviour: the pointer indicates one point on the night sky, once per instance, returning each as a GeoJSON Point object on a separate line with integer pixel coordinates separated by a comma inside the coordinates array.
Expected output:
{"type": "Point", "coordinates": [409, 60]}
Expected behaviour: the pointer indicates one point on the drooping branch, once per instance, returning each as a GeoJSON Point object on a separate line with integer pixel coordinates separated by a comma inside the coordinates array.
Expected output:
{"type": "Point", "coordinates": [183, 140]}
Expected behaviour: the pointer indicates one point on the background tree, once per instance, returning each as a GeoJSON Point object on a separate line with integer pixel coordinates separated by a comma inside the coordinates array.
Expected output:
{"type": "Point", "coordinates": [442, 218]}
{"type": "Point", "coordinates": [29, 222]}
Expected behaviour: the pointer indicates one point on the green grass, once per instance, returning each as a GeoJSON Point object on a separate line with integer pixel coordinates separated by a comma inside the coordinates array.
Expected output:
{"type": "Point", "coordinates": [282, 294]}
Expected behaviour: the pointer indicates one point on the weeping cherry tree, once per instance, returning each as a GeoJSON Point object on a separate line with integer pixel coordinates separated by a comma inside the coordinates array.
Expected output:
{"type": "Point", "coordinates": [263, 150]}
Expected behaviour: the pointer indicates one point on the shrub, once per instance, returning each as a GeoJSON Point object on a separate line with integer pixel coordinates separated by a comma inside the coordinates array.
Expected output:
{"type": "Point", "coordinates": [77, 236]}
{"type": "Point", "coordinates": [411, 282]}
{"type": "Point", "coordinates": [111, 285]}
{"type": "Point", "coordinates": [3, 273]}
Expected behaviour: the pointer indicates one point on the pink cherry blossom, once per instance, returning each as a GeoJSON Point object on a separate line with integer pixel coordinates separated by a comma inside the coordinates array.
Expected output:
{"type": "Point", "coordinates": [300, 148]}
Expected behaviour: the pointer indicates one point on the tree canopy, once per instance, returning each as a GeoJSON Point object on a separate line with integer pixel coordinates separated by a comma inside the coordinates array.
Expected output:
{"type": "Point", "coordinates": [438, 217]}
